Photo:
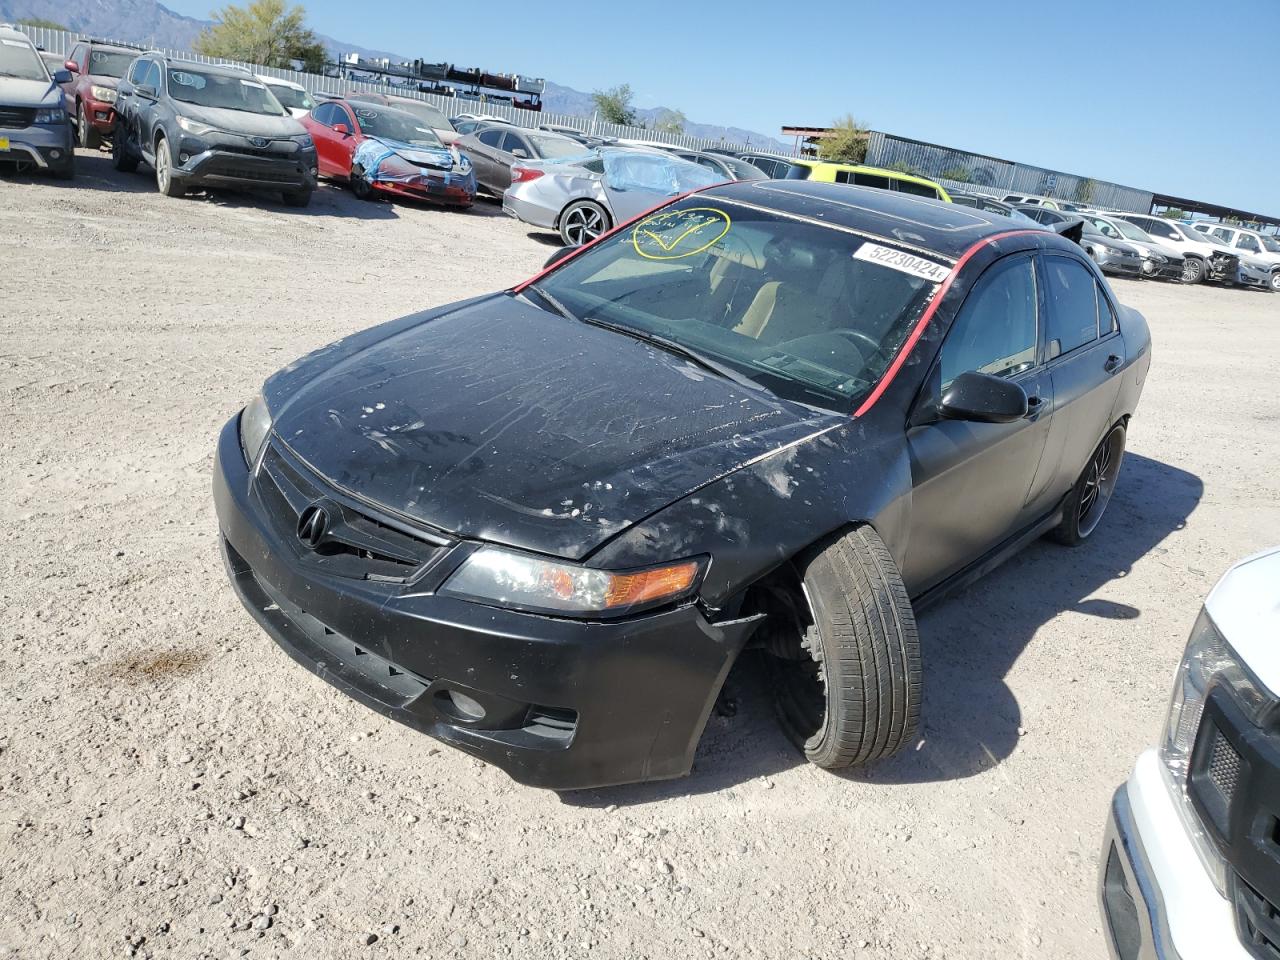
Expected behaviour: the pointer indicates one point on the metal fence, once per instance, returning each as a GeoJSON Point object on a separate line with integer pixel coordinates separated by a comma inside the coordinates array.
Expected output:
{"type": "Point", "coordinates": [61, 42]}
{"type": "Point", "coordinates": [976, 173]}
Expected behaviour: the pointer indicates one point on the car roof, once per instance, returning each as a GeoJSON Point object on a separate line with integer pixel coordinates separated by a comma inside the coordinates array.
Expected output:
{"type": "Point", "coordinates": [221, 69]}
{"type": "Point", "coordinates": [948, 229]}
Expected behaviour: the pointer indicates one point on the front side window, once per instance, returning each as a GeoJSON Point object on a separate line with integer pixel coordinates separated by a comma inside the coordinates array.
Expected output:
{"type": "Point", "coordinates": [811, 313]}
{"type": "Point", "coordinates": [291, 97]}
{"type": "Point", "coordinates": [1246, 242]}
{"type": "Point", "coordinates": [138, 71]}
{"type": "Point", "coordinates": [1072, 295]}
{"type": "Point", "coordinates": [491, 137]}
{"type": "Point", "coordinates": [996, 330]}
{"type": "Point", "coordinates": [222, 91]}
{"type": "Point", "coordinates": [151, 78]}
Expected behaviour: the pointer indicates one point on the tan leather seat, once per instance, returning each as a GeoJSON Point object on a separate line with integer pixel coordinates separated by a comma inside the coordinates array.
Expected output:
{"type": "Point", "coordinates": [787, 309]}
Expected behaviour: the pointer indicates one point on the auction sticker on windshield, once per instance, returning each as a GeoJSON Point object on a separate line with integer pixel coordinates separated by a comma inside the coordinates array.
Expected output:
{"type": "Point", "coordinates": [679, 233]}
{"type": "Point", "coordinates": [905, 262]}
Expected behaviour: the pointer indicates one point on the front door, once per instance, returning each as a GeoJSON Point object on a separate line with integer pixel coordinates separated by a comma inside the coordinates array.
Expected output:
{"type": "Point", "coordinates": [971, 482]}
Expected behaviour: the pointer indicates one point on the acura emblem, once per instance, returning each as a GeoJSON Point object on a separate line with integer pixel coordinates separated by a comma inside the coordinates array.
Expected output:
{"type": "Point", "coordinates": [313, 525]}
{"type": "Point", "coordinates": [259, 141]}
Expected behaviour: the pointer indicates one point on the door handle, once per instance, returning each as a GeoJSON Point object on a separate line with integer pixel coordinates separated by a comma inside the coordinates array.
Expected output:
{"type": "Point", "coordinates": [1112, 364]}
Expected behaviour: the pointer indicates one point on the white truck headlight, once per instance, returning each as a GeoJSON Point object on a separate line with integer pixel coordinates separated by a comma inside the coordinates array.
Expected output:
{"type": "Point", "coordinates": [1209, 661]}
{"type": "Point", "coordinates": [255, 427]}
{"type": "Point", "coordinates": [508, 579]}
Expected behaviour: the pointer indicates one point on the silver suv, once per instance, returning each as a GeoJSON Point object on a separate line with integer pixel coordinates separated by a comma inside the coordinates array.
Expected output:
{"type": "Point", "coordinates": [1247, 242]}
{"type": "Point", "coordinates": [34, 129]}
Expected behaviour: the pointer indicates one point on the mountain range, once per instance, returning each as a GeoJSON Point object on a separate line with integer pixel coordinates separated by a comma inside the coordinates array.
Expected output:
{"type": "Point", "coordinates": [149, 22]}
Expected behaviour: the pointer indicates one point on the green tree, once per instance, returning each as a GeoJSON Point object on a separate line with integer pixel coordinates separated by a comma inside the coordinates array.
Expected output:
{"type": "Point", "coordinates": [846, 142]}
{"type": "Point", "coordinates": [1173, 213]}
{"type": "Point", "coordinates": [1084, 192]}
{"type": "Point", "coordinates": [901, 166]}
{"type": "Point", "coordinates": [672, 121]}
{"type": "Point", "coordinates": [42, 22]}
{"type": "Point", "coordinates": [265, 32]}
{"type": "Point", "coordinates": [614, 104]}
{"type": "Point", "coordinates": [958, 174]}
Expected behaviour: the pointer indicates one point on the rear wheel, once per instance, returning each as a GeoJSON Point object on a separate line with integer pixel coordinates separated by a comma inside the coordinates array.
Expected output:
{"type": "Point", "coordinates": [848, 679]}
{"type": "Point", "coordinates": [121, 158]}
{"type": "Point", "coordinates": [359, 185]}
{"type": "Point", "coordinates": [582, 221]}
{"type": "Point", "coordinates": [165, 181]}
{"type": "Point", "coordinates": [1192, 270]}
{"type": "Point", "coordinates": [88, 137]}
{"type": "Point", "coordinates": [1088, 499]}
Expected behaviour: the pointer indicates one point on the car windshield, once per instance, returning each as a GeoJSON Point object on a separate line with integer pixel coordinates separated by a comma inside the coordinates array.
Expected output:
{"type": "Point", "coordinates": [291, 97]}
{"type": "Point", "coordinates": [741, 169]}
{"type": "Point", "coordinates": [1131, 231]}
{"type": "Point", "coordinates": [395, 125]}
{"type": "Point", "coordinates": [109, 63]}
{"type": "Point", "coordinates": [551, 148]}
{"type": "Point", "coordinates": [426, 112]}
{"type": "Point", "coordinates": [20, 61]}
{"type": "Point", "coordinates": [223, 91]}
{"type": "Point", "coordinates": [809, 312]}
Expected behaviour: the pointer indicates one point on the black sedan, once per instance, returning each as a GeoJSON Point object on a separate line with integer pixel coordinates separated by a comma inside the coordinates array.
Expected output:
{"type": "Point", "coordinates": [541, 525]}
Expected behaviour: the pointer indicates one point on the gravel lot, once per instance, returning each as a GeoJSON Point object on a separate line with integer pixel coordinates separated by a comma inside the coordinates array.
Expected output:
{"type": "Point", "coordinates": [172, 785]}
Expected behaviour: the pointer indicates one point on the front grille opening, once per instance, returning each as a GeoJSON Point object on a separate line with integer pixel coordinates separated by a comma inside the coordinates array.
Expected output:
{"type": "Point", "coordinates": [1122, 911]}
{"type": "Point", "coordinates": [1259, 921]}
{"type": "Point", "coordinates": [1224, 766]}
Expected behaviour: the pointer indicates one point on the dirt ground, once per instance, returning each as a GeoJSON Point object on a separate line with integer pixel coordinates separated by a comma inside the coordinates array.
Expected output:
{"type": "Point", "coordinates": [171, 785]}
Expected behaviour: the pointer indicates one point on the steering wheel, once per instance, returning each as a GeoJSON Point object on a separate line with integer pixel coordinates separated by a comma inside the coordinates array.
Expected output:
{"type": "Point", "coordinates": [867, 344]}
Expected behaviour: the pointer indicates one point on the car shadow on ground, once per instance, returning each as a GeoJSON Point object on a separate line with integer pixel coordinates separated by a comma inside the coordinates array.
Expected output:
{"type": "Point", "coordinates": [969, 641]}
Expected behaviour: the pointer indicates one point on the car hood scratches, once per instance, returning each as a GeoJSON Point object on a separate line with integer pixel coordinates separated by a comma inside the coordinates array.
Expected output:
{"type": "Point", "coordinates": [502, 422]}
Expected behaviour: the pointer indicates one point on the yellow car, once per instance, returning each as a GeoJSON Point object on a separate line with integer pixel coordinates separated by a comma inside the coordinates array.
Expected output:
{"type": "Point", "coordinates": [797, 168]}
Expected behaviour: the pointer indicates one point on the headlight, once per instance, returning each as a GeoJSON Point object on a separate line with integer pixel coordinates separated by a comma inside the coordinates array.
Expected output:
{"type": "Point", "coordinates": [502, 578]}
{"type": "Point", "coordinates": [305, 141]}
{"type": "Point", "coordinates": [102, 94]}
{"type": "Point", "coordinates": [1209, 661]}
{"type": "Point", "coordinates": [255, 426]}
{"type": "Point", "coordinates": [195, 127]}
{"type": "Point", "coordinates": [51, 115]}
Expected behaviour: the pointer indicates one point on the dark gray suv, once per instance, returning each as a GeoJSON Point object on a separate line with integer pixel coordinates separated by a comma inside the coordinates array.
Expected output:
{"type": "Point", "coordinates": [202, 125]}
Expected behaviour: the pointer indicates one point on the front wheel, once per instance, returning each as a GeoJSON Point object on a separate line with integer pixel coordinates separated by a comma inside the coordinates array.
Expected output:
{"type": "Point", "coordinates": [1275, 282]}
{"type": "Point", "coordinates": [1192, 270]}
{"type": "Point", "coordinates": [88, 137]}
{"type": "Point", "coordinates": [360, 186]}
{"type": "Point", "coordinates": [165, 181]}
{"type": "Point", "coordinates": [582, 221]}
{"type": "Point", "coordinates": [1088, 499]}
{"type": "Point", "coordinates": [121, 158]}
{"type": "Point", "coordinates": [849, 693]}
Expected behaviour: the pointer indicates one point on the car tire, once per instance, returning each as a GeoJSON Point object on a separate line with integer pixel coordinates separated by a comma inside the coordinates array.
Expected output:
{"type": "Point", "coordinates": [86, 135]}
{"type": "Point", "coordinates": [1275, 282]}
{"type": "Point", "coordinates": [855, 698]}
{"type": "Point", "coordinates": [1192, 270]}
{"type": "Point", "coordinates": [165, 181]}
{"type": "Point", "coordinates": [121, 158]}
{"type": "Point", "coordinates": [1092, 491]}
{"type": "Point", "coordinates": [298, 198]}
{"type": "Point", "coordinates": [360, 186]}
{"type": "Point", "coordinates": [582, 221]}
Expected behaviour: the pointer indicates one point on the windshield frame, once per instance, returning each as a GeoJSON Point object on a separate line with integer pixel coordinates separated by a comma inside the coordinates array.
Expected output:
{"type": "Point", "coordinates": [900, 319]}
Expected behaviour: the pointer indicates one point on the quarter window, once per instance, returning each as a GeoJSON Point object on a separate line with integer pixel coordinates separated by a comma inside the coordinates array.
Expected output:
{"type": "Point", "coordinates": [995, 331]}
{"type": "Point", "coordinates": [916, 189]}
{"type": "Point", "coordinates": [1073, 296]}
{"type": "Point", "coordinates": [869, 180]}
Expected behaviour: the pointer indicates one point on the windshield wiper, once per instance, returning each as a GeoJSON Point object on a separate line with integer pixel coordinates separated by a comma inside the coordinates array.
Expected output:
{"type": "Point", "coordinates": [644, 336]}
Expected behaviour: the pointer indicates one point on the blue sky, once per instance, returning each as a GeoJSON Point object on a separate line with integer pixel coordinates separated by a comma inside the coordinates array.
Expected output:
{"type": "Point", "coordinates": [1105, 89]}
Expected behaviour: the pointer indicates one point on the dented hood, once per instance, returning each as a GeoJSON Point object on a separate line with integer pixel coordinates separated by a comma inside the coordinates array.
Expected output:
{"type": "Point", "coordinates": [502, 422]}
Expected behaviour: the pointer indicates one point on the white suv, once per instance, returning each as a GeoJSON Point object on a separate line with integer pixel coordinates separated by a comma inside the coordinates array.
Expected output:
{"type": "Point", "coordinates": [1191, 861]}
{"type": "Point", "coordinates": [1247, 243]}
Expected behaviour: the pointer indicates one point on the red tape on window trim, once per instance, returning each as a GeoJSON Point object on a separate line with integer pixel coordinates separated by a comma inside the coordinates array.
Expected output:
{"type": "Point", "coordinates": [918, 330]}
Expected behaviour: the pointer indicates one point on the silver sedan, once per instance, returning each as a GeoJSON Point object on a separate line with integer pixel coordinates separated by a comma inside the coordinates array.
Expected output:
{"type": "Point", "coordinates": [585, 196]}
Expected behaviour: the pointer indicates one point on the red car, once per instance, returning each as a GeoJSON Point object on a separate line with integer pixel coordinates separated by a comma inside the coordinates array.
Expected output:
{"type": "Point", "coordinates": [96, 68]}
{"type": "Point", "coordinates": [379, 149]}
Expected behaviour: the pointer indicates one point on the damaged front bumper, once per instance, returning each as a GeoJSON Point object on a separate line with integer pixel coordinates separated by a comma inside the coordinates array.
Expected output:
{"type": "Point", "coordinates": [556, 703]}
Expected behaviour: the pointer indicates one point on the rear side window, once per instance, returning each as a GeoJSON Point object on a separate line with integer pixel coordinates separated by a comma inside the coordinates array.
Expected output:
{"type": "Point", "coordinates": [765, 165]}
{"type": "Point", "coordinates": [511, 142]}
{"type": "Point", "coordinates": [793, 171]}
{"type": "Point", "coordinates": [996, 329]}
{"type": "Point", "coordinates": [869, 180]}
{"type": "Point", "coordinates": [916, 189]}
{"type": "Point", "coordinates": [1073, 305]}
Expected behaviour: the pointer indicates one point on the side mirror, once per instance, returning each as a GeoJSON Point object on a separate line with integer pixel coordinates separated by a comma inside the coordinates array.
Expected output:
{"type": "Point", "coordinates": [558, 256]}
{"type": "Point", "coordinates": [520, 153]}
{"type": "Point", "coordinates": [62, 76]}
{"type": "Point", "coordinates": [342, 128]}
{"type": "Point", "coordinates": [145, 90]}
{"type": "Point", "coordinates": [1073, 231]}
{"type": "Point", "coordinates": [71, 65]}
{"type": "Point", "coordinates": [982, 398]}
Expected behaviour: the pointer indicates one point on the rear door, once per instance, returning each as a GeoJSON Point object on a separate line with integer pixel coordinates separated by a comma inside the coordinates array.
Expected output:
{"type": "Point", "coordinates": [972, 482]}
{"type": "Point", "coordinates": [1085, 352]}
{"type": "Point", "coordinates": [485, 154]}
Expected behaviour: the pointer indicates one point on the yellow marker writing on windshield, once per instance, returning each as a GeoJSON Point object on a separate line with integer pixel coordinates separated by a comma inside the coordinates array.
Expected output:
{"type": "Point", "coordinates": [650, 235]}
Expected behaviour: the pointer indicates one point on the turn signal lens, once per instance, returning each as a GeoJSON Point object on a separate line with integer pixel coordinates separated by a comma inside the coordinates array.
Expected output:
{"type": "Point", "coordinates": [524, 174]}
{"type": "Point", "coordinates": [503, 578]}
